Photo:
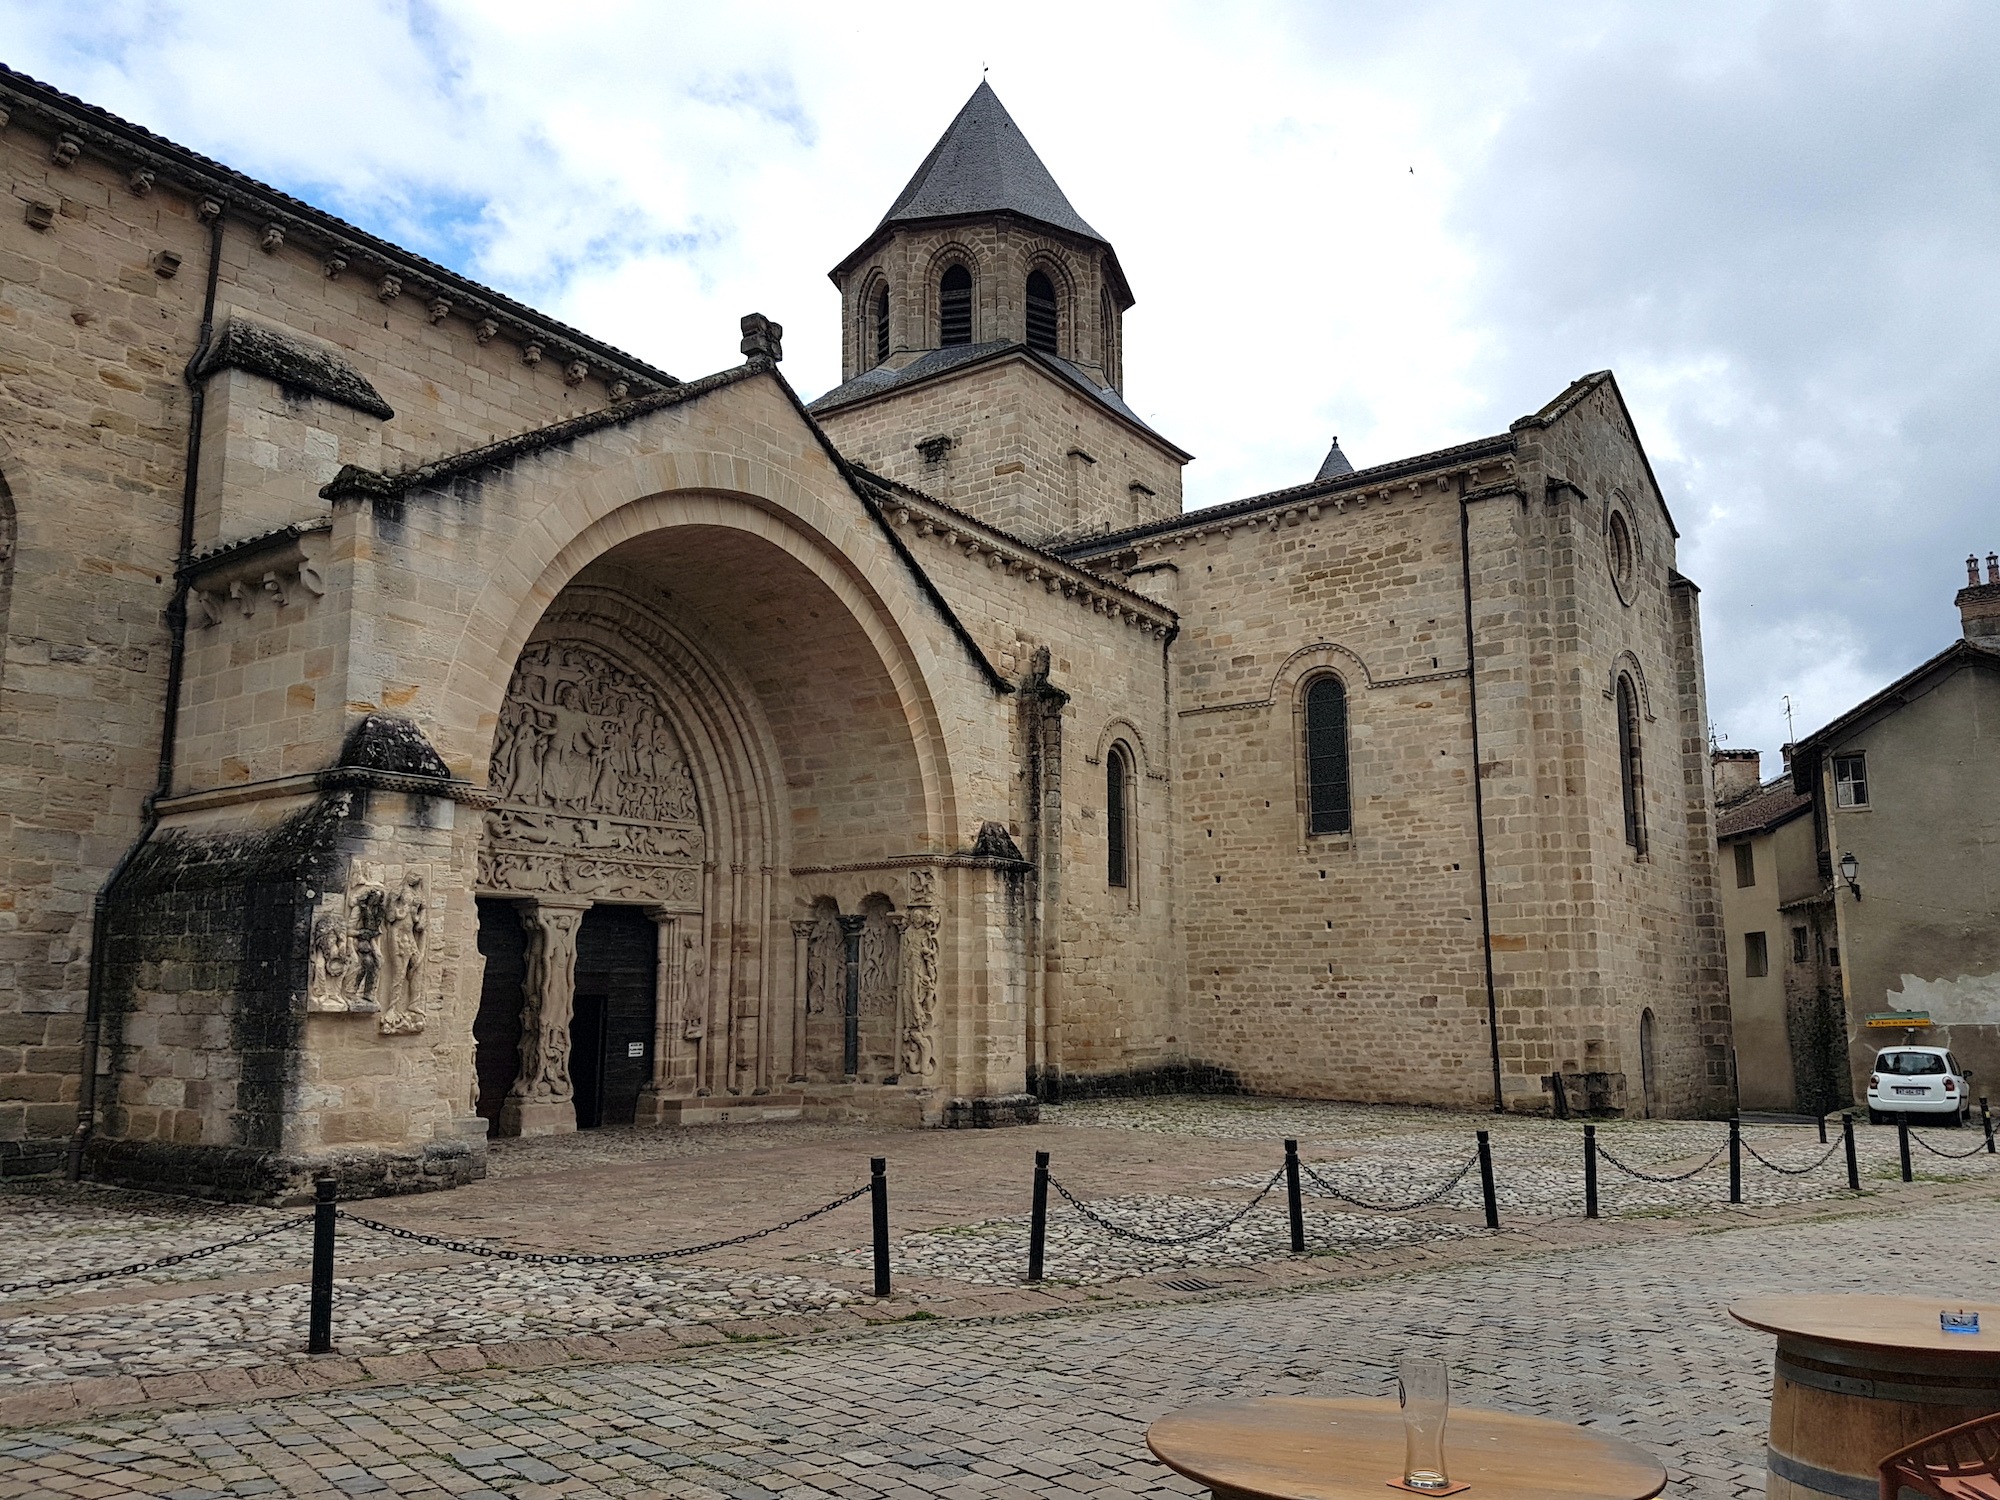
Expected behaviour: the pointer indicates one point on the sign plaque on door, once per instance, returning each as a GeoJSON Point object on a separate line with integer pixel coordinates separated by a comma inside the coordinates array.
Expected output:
{"type": "Point", "coordinates": [635, 1049]}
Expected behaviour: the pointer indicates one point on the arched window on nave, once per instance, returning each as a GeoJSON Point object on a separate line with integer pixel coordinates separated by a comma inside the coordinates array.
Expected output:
{"type": "Point", "coordinates": [1329, 797]}
{"type": "Point", "coordinates": [1631, 780]}
{"type": "Point", "coordinates": [1118, 818]}
{"type": "Point", "coordinates": [881, 314]}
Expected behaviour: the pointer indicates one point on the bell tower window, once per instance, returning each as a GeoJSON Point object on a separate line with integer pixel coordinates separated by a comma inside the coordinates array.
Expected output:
{"type": "Point", "coordinates": [955, 307]}
{"type": "Point", "coordinates": [1041, 312]}
{"type": "Point", "coordinates": [881, 311]}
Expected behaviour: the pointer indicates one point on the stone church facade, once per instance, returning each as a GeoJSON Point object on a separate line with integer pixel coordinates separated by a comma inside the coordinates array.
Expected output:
{"type": "Point", "coordinates": [421, 721]}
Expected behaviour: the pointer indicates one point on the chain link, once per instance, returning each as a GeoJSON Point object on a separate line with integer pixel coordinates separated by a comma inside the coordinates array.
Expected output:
{"type": "Point", "coordinates": [1824, 1157]}
{"type": "Point", "coordinates": [541, 1258]}
{"type": "Point", "coordinates": [1714, 1157]}
{"type": "Point", "coordinates": [154, 1265]}
{"type": "Point", "coordinates": [1940, 1151]}
{"type": "Point", "coordinates": [1157, 1239]}
{"type": "Point", "coordinates": [1393, 1208]}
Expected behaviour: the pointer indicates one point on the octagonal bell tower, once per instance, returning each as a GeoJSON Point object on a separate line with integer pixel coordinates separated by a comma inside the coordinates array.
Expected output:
{"type": "Point", "coordinates": [982, 351]}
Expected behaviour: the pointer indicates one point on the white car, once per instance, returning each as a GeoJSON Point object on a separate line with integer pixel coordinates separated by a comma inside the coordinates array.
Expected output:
{"type": "Point", "coordinates": [1917, 1081]}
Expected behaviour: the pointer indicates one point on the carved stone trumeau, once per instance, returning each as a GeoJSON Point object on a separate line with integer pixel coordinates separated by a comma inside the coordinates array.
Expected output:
{"type": "Point", "coordinates": [595, 796]}
{"type": "Point", "coordinates": [548, 997]}
{"type": "Point", "coordinates": [368, 948]}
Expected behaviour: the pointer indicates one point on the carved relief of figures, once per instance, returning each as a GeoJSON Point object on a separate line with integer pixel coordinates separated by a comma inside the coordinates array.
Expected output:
{"type": "Point", "coordinates": [581, 734]}
{"type": "Point", "coordinates": [368, 948]}
{"type": "Point", "coordinates": [403, 957]}
{"type": "Point", "coordinates": [596, 798]}
{"type": "Point", "coordinates": [920, 981]}
{"type": "Point", "coordinates": [547, 1000]}
{"type": "Point", "coordinates": [877, 987]}
{"type": "Point", "coordinates": [825, 958]}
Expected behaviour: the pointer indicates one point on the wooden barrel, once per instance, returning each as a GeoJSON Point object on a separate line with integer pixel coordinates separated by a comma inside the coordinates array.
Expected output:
{"type": "Point", "coordinates": [1837, 1411]}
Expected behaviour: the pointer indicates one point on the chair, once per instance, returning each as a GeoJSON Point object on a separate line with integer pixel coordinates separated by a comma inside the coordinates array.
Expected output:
{"type": "Point", "coordinates": [1960, 1463]}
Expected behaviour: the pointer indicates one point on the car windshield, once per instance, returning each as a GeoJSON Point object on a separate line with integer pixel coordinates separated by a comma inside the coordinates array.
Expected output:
{"type": "Point", "coordinates": [1909, 1064]}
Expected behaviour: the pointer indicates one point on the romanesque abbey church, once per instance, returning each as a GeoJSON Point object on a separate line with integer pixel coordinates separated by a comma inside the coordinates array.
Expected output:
{"type": "Point", "coordinates": [422, 722]}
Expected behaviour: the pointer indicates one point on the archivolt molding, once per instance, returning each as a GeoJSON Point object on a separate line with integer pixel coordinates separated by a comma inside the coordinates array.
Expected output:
{"type": "Point", "coordinates": [709, 489]}
{"type": "Point", "coordinates": [1625, 664]}
{"type": "Point", "coordinates": [1121, 728]}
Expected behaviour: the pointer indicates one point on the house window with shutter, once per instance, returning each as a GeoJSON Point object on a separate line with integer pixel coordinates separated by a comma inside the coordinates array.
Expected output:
{"type": "Point", "coordinates": [1041, 312]}
{"type": "Point", "coordinates": [1746, 865]}
{"type": "Point", "coordinates": [955, 307]}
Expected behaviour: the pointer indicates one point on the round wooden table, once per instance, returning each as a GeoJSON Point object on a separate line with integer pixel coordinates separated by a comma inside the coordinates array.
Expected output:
{"type": "Point", "coordinates": [1859, 1377]}
{"type": "Point", "coordinates": [1308, 1448]}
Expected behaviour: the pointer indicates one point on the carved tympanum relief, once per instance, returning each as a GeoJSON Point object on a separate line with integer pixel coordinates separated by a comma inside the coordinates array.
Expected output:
{"type": "Point", "coordinates": [596, 799]}
{"type": "Point", "coordinates": [368, 946]}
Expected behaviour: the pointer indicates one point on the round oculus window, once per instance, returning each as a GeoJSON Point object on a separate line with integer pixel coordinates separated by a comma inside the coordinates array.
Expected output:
{"type": "Point", "coordinates": [1620, 554]}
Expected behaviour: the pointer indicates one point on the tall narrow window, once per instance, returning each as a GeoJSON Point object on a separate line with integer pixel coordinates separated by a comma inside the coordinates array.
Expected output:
{"type": "Point", "coordinates": [882, 324]}
{"type": "Point", "coordinates": [1329, 802]}
{"type": "Point", "coordinates": [1117, 814]}
{"type": "Point", "coordinates": [955, 307]}
{"type": "Point", "coordinates": [1746, 864]}
{"type": "Point", "coordinates": [1632, 785]}
{"type": "Point", "coordinates": [1107, 337]}
{"type": "Point", "coordinates": [1756, 955]}
{"type": "Point", "coordinates": [1041, 312]}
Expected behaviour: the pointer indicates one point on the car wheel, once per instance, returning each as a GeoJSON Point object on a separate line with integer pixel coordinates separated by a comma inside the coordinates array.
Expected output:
{"type": "Point", "coordinates": [1874, 1117]}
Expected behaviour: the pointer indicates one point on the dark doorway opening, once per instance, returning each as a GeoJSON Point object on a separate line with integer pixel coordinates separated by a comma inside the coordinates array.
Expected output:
{"type": "Point", "coordinates": [496, 1030]}
{"type": "Point", "coordinates": [611, 1029]}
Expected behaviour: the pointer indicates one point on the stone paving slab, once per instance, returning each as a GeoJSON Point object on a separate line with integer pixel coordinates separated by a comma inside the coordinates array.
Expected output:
{"type": "Point", "coordinates": [1629, 1337]}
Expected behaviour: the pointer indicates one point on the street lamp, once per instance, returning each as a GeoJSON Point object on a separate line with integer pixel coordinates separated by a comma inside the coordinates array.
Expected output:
{"type": "Point", "coordinates": [1849, 868]}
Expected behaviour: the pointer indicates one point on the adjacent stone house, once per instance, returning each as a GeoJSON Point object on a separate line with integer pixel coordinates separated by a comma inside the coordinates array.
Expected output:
{"type": "Point", "coordinates": [420, 720]}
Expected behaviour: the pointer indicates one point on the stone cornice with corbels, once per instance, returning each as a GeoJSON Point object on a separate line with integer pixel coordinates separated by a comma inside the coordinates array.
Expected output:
{"type": "Point", "coordinates": [151, 163]}
{"type": "Point", "coordinates": [1449, 471]}
{"type": "Point", "coordinates": [917, 514]}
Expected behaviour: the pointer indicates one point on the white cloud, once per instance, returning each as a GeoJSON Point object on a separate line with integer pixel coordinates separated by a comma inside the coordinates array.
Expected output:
{"type": "Point", "coordinates": [1405, 223]}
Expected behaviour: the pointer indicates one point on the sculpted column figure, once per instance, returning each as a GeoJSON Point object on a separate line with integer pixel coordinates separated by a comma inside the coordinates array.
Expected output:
{"type": "Point", "coordinates": [918, 1011]}
{"type": "Point", "coordinates": [541, 1102]}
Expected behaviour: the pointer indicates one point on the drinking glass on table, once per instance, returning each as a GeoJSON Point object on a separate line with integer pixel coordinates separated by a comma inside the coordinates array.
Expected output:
{"type": "Point", "coordinates": [1423, 1387]}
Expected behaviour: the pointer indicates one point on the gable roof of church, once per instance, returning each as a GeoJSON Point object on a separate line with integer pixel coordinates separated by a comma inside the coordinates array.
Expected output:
{"type": "Point", "coordinates": [983, 164]}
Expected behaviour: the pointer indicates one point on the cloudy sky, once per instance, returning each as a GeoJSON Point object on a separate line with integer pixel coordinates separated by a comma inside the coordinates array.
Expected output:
{"type": "Point", "coordinates": [1404, 222]}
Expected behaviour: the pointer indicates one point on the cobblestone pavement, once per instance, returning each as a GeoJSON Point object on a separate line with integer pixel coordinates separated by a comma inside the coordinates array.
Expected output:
{"type": "Point", "coordinates": [1165, 1169]}
{"type": "Point", "coordinates": [1631, 1339]}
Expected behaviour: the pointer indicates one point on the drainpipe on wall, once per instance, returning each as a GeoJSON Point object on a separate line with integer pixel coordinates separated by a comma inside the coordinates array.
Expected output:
{"type": "Point", "coordinates": [149, 820]}
{"type": "Point", "coordinates": [1479, 794]}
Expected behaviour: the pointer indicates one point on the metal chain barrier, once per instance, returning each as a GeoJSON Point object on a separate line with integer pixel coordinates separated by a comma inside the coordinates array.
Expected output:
{"type": "Point", "coordinates": [541, 1258]}
{"type": "Point", "coordinates": [1165, 1239]}
{"type": "Point", "coordinates": [1629, 1171]}
{"type": "Point", "coordinates": [1977, 1150]}
{"type": "Point", "coordinates": [1392, 1208]}
{"type": "Point", "coordinates": [1825, 1157]}
{"type": "Point", "coordinates": [165, 1260]}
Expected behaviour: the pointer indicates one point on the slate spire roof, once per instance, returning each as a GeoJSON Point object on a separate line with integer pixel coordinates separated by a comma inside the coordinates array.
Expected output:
{"type": "Point", "coordinates": [983, 164]}
{"type": "Point", "coordinates": [1335, 464]}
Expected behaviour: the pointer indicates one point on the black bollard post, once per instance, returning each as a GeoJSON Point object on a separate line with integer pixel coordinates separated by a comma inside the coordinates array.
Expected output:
{"type": "Point", "coordinates": [319, 1324]}
{"type": "Point", "coordinates": [1903, 1141]}
{"type": "Point", "coordinates": [1486, 1180]}
{"type": "Point", "coordinates": [878, 1199]}
{"type": "Point", "coordinates": [1986, 1120]}
{"type": "Point", "coordinates": [1822, 1130]}
{"type": "Point", "coordinates": [1590, 1171]}
{"type": "Point", "coordinates": [1292, 1195]}
{"type": "Point", "coordinates": [1853, 1166]}
{"type": "Point", "coordinates": [1735, 1160]}
{"type": "Point", "coordinates": [1038, 1222]}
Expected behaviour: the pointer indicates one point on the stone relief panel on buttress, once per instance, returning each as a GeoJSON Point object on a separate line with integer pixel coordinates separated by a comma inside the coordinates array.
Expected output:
{"type": "Point", "coordinates": [595, 795]}
{"type": "Point", "coordinates": [368, 948]}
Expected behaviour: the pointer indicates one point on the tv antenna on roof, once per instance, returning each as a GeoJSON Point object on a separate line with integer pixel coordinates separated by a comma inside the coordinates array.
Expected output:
{"type": "Point", "coordinates": [1791, 734]}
